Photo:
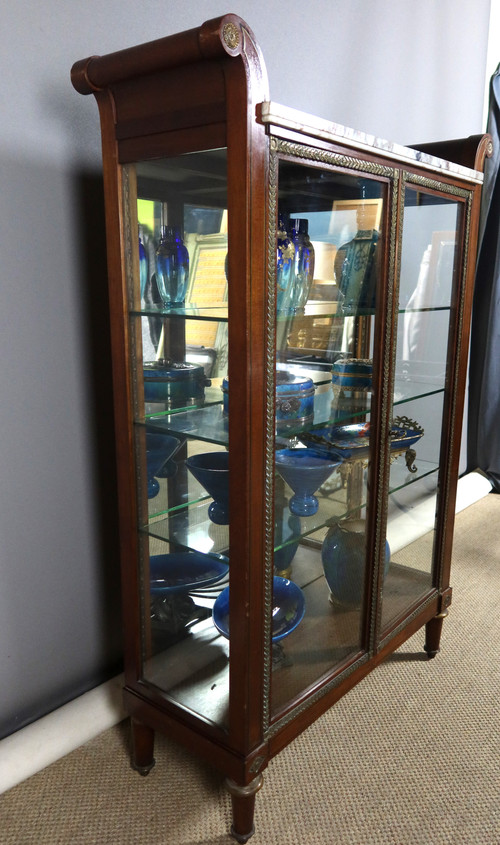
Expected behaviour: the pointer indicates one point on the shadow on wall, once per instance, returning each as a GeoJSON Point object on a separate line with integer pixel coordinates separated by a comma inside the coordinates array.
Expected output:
{"type": "Point", "coordinates": [89, 196]}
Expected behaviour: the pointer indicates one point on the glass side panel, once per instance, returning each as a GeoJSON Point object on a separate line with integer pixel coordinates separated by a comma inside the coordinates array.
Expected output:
{"type": "Point", "coordinates": [178, 320]}
{"type": "Point", "coordinates": [428, 268]}
{"type": "Point", "coordinates": [329, 252]}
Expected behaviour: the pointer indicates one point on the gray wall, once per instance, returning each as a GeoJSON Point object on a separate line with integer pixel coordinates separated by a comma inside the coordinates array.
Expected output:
{"type": "Point", "coordinates": [393, 68]}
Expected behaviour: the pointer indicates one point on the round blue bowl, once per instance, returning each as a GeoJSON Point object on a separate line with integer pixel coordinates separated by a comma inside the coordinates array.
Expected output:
{"type": "Point", "coordinates": [289, 606]}
{"type": "Point", "coordinates": [182, 572]}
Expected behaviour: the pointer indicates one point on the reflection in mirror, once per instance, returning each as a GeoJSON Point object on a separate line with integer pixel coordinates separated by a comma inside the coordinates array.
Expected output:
{"type": "Point", "coordinates": [428, 267]}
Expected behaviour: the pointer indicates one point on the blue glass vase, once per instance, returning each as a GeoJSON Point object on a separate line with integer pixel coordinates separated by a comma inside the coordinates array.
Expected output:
{"type": "Point", "coordinates": [172, 268]}
{"type": "Point", "coordinates": [284, 269]}
{"type": "Point", "coordinates": [143, 267]}
{"type": "Point", "coordinates": [303, 269]}
{"type": "Point", "coordinates": [343, 555]}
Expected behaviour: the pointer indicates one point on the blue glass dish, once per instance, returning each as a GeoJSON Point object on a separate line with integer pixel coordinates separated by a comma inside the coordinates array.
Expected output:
{"type": "Point", "coordinates": [181, 572]}
{"type": "Point", "coordinates": [289, 606]}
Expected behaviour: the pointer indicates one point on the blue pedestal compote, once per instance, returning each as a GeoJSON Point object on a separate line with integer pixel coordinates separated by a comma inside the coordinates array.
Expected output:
{"type": "Point", "coordinates": [160, 449]}
{"type": "Point", "coordinates": [211, 469]}
{"type": "Point", "coordinates": [343, 555]}
{"type": "Point", "coordinates": [304, 471]}
{"type": "Point", "coordinates": [288, 609]}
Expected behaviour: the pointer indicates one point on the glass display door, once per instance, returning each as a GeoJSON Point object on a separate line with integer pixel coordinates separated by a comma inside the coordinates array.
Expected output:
{"type": "Point", "coordinates": [330, 251]}
{"type": "Point", "coordinates": [429, 281]}
{"type": "Point", "coordinates": [178, 317]}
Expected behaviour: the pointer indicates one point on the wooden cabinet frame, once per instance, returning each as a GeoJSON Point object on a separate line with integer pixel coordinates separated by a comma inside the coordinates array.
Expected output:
{"type": "Point", "coordinates": [206, 89]}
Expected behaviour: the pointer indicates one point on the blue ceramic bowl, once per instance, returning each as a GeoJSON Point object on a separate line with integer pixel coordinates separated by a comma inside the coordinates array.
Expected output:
{"type": "Point", "coordinates": [211, 469]}
{"type": "Point", "coordinates": [160, 448]}
{"type": "Point", "coordinates": [182, 572]}
{"type": "Point", "coordinates": [304, 470]}
{"type": "Point", "coordinates": [288, 609]}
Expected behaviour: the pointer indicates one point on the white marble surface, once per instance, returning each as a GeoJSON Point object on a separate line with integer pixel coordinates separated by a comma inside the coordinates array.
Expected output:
{"type": "Point", "coordinates": [291, 119]}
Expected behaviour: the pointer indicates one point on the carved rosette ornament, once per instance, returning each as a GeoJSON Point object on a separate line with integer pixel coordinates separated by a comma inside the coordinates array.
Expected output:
{"type": "Point", "coordinates": [231, 35]}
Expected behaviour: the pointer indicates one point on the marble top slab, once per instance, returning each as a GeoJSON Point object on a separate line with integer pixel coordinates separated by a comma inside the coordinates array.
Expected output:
{"type": "Point", "coordinates": [288, 118]}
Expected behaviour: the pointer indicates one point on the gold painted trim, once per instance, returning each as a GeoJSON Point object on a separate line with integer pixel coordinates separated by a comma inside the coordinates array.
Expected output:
{"type": "Point", "coordinates": [408, 619]}
{"type": "Point", "coordinates": [287, 148]}
{"type": "Point", "coordinates": [312, 699]}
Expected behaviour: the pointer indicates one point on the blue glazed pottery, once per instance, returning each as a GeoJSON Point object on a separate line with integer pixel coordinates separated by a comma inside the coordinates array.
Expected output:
{"type": "Point", "coordinates": [294, 400]}
{"type": "Point", "coordinates": [288, 609]}
{"type": "Point", "coordinates": [182, 572]}
{"type": "Point", "coordinates": [172, 268]}
{"type": "Point", "coordinates": [352, 373]}
{"type": "Point", "coordinates": [343, 555]}
{"type": "Point", "coordinates": [177, 384]}
{"type": "Point", "coordinates": [304, 470]}
{"type": "Point", "coordinates": [160, 448]}
{"type": "Point", "coordinates": [211, 469]}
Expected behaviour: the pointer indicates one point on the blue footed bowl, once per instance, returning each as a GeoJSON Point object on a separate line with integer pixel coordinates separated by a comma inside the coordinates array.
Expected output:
{"type": "Point", "coordinates": [304, 470]}
{"type": "Point", "coordinates": [211, 469]}
{"type": "Point", "coordinates": [160, 448]}
{"type": "Point", "coordinates": [289, 606]}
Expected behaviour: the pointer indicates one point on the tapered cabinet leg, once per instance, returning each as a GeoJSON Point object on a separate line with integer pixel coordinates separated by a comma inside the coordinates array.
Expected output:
{"type": "Point", "coordinates": [243, 801]}
{"type": "Point", "coordinates": [433, 634]}
{"type": "Point", "coordinates": [143, 740]}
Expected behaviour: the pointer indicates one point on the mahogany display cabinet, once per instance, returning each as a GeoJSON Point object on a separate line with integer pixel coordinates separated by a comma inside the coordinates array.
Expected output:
{"type": "Point", "coordinates": [290, 306]}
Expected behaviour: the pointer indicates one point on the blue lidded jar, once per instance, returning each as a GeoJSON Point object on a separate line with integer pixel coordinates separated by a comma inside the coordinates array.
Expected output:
{"type": "Point", "coordinates": [294, 401]}
{"type": "Point", "coordinates": [176, 385]}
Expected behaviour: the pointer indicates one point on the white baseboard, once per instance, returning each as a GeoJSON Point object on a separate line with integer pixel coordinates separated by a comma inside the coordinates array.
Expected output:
{"type": "Point", "coordinates": [36, 746]}
{"type": "Point", "coordinates": [31, 749]}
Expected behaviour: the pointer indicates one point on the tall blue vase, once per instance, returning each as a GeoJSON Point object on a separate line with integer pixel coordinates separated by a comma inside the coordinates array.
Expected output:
{"type": "Point", "coordinates": [285, 269]}
{"type": "Point", "coordinates": [172, 268]}
{"type": "Point", "coordinates": [303, 262]}
{"type": "Point", "coordinates": [143, 266]}
{"type": "Point", "coordinates": [343, 555]}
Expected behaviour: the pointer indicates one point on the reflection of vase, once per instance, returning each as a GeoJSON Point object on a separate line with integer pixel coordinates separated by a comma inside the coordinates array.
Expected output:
{"type": "Point", "coordinates": [160, 448]}
{"type": "Point", "coordinates": [303, 262]}
{"type": "Point", "coordinates": [211, 469]}
{"type": "Point", "coordinates": [284, 269]}
{"type": "Point", "coordinates": [286, 527]}
{"type": "Point", "coordinates": [304, 471]}
{"type": "Point", "coordinates": [172, 267]}
{"type": "Point", "coordinates": [143, 264]}
{"type": "Point", "coordinates": [344, 557]}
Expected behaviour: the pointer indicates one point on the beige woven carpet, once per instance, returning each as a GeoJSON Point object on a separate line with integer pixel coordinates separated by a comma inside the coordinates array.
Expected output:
{"type": "Point", "coordinates": [411, 755]}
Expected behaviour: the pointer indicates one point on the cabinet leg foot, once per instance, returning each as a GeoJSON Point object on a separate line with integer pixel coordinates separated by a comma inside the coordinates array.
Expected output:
{"type": "Point", "coordinates": [243, 801]}
{"type": "Point", "coordinates": [143, 739]}
{"type": "Point", "coordinates": [433, 630]}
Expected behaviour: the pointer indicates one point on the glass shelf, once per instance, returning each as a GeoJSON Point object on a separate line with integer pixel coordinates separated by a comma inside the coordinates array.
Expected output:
{"type": "Point", "coordinates": [187, 524]}
{"type": "Point", "coordinates": [210, 424]}
{"type": "Point", "coordinates": [217, 313]}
